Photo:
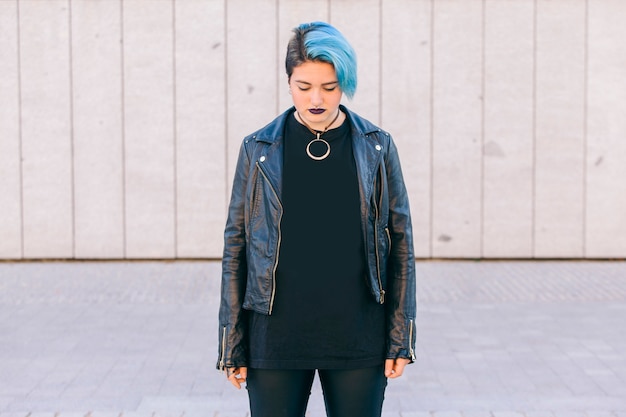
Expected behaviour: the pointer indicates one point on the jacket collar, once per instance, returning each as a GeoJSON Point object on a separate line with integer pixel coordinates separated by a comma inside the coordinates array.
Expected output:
{"type": "Point", "coordinates": [359, 125]}
{"type": "Point", "coordinates": [366, 152]}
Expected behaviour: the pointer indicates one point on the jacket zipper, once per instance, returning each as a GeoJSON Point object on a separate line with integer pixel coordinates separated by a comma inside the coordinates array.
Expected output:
{"type": "Point", "coordinates": [411, 350]}
{"type": "Point", "coordinates": [381, 300]}
{"type": "Point", "coordinates": [278, 243]}
{"type": "Point", "coordinates": [223, 349]}
{"type": "Point", "coordinates": [380, 204]}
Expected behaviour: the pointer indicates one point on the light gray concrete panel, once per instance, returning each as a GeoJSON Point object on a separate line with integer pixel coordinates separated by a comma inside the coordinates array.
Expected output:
{"type": "Point", "coordinates": [406, 104]}
{"type": "Point", "coordinates": [559, 147]}
{"type": "Point", "coordinates": [291, 14]}
{"type": "Point", "coordinates": [98, 141]}
{"type": "Point", "coordinates": [10, 177]}
{"type": "Point", "coordinates": [253, 71]}
{"type": "Point", "coordinates": [508, 129]}
{"type": "Point", "coordinates": [359, 22]}
{"type": "Point", "coordinates": [457, 132]}
{"type": "Point", "coordinates": [200, 128]}
{"type": "Point", "coordinates": [46, 128]}
{"type": "Point", "coordinates": [606, 124]}
{"type": "Point", "coordinates": [149, 128]}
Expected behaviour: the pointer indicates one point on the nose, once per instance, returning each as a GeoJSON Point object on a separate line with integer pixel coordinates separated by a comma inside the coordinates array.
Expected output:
{"type": "Point", "coordinates": [316, 98]}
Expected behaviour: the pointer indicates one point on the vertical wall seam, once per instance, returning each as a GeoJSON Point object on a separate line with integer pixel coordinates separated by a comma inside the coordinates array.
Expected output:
{"type": "Point", "coordinates": [276, 60]}
{"type": "Point", "coordinates": [381, 34]}
{"type": "Point", "coordinates": [174, 129]}
{"type": "Point", "coordinates": [432, 131]}
{"type": "Point", "coordinates": [123, 132]}
{"type": "Point", "coordinates": [226, 110]}
{"type": "Point", "coordinates": [585, 129]}
{"type": "Point", "coordinates": [72, 138]}
{"type": "Point", "coordinates": [533, 235]}
{"type": "Point", "coordinates": [19, 127]}
{"type": "Point", "coordinates": [329, 11]}
{"type": "Point", "coordinates": [483, 59]}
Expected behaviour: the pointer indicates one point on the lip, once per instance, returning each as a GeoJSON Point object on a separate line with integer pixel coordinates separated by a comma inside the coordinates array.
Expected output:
{"type": "Point", "coordinates": [317, 111]}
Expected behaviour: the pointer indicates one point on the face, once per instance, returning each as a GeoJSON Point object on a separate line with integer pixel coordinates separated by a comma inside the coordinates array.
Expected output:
{"type": "Point", "coordinates": [315, 92]}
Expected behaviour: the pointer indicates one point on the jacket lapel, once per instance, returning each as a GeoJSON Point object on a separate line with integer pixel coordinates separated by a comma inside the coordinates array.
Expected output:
{"type": "Point", "coordinates": [367, 157]}
{"type": "Point", "coordinates": [273, 164]}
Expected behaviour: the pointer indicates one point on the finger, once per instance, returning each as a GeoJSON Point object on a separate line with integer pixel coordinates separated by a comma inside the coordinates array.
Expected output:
{"type": "Point", "coordinates": [399, 366]}
{"type": "Point", "coordinates": [397, 370]}
{"type": "Point", "coordinates": [388, 367]}
{"type": "Point", "coordinates": [235, 381]}
{"type": "Point", "coordinates": [231, 374]}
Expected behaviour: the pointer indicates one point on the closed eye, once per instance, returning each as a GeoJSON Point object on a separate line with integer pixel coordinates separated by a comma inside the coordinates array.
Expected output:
{"type": "Point", "coordinates": [325, 88]}
{"type": "Point", "coordinates": [305, 86]}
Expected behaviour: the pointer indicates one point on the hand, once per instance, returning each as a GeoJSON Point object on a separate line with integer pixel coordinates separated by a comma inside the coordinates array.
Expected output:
{"type": "Point", "coordinates": [395, 367]}
{"type": "Point", "coordinates": [237, 375]}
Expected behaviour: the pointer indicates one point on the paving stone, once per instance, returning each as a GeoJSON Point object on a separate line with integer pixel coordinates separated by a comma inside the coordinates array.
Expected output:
{"type": "Point", "coordinates": [539, 414]}
{"type": "Point", "coordinates": [592, 413]}
{"type": "Point", "coordinates": [102, 414]}
{"type": "Point", "coordinates": [507, 414]}
{"type": "Point", "coordinates": [477, 414]}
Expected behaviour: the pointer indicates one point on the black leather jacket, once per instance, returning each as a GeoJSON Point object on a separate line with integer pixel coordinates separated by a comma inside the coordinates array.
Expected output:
{"type": "Point", "coordinates": [252, 237]}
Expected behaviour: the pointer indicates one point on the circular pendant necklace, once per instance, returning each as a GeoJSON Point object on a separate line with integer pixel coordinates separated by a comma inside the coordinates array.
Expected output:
{"type": "Point", "coordinates": [317, 138]}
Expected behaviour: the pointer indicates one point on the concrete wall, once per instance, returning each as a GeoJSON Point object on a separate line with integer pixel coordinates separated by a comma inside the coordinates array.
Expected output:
{"type": "Point", "coordinates": [120, 121]}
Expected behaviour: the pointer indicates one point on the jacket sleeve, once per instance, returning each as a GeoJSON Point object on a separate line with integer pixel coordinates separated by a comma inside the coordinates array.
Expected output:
{"type": "Point", "coordinates": [232, 321]}
{"type": "Point", "coordinates": [401, 291]}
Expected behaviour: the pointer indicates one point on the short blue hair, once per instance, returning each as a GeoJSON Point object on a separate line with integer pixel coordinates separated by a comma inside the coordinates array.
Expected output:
{"type": "Point", "coordinates": [319, 41]}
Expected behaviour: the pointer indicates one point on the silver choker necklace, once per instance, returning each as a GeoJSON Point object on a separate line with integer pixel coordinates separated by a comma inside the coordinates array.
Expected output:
{"type": "Point", "coordinates": [318, 138]}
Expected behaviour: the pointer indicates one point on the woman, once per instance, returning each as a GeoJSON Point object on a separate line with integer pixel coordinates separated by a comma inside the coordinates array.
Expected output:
{"type": "Point", "coordinates": [318, 267]}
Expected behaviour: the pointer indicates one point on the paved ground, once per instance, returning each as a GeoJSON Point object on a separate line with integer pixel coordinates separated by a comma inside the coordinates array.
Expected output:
{"type": "Point", "coordinates": [497, 339]}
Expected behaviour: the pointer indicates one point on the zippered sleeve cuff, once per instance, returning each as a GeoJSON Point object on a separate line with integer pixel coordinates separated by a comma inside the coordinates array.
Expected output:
{"type": "Point", "coordinates": [231, 354]}
{"type": "Point", "coordinates": [404, 346]}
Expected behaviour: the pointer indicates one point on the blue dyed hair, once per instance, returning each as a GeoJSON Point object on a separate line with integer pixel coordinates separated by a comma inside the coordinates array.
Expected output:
{"type": "Point", "coordinates": [321, 42]}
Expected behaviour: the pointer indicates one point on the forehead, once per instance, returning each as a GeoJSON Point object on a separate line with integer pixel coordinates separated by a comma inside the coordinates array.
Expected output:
{"type": "Point", "coordinates": [313, 72]}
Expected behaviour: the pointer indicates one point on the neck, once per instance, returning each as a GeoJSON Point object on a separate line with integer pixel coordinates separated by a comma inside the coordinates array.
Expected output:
{"type": "Point", "coordinates": [314, 130]}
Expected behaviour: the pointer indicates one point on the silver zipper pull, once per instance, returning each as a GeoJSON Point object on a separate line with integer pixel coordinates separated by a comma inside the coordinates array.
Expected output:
{"type": "Point", "coordinates": [411, 350]}
{"type": "Point", "coordinates": [221, 365]}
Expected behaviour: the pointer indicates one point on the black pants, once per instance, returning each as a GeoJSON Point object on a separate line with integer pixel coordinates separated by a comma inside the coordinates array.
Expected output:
{"type": "Point", "coordinates": [347, 392]}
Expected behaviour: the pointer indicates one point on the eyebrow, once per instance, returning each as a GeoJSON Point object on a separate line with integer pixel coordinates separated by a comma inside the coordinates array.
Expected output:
{"type": "Point", "coordinates": [324, 84]}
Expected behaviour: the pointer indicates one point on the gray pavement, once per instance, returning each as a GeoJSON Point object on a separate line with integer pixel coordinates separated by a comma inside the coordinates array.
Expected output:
{"type": "Point", "coordinates": [138, 339]}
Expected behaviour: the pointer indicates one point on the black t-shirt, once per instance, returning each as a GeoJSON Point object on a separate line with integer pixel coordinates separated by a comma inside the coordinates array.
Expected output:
{"type": "Point", "coordinates": [324, 316]}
